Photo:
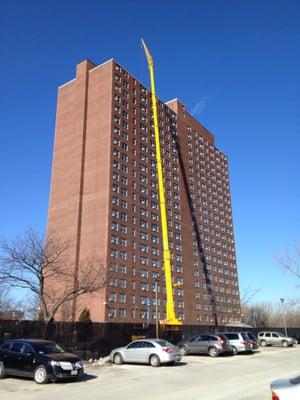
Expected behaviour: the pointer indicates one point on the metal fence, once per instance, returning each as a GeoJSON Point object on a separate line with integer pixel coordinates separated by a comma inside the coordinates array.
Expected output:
{"type": "Point", "coordinates": [94, 340]}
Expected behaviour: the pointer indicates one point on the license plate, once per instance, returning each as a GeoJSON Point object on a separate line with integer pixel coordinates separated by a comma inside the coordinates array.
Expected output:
{"type": "Point", "coordinates": [74, 372]}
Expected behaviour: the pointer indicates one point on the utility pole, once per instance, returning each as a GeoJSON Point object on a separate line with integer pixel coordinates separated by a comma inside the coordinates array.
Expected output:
{"type": "Point", "coordinates": [156, 306]}
{"type": "Point", "coordinates": [283, 314]}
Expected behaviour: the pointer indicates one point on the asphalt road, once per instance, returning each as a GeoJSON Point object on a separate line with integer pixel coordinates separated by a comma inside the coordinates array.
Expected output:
{"type": "Point", "coordinates": [242, 377]}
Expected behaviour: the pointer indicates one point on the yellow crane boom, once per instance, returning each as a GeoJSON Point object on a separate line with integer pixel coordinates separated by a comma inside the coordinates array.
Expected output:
{"type": "Point", "coordinates": [170, 311]}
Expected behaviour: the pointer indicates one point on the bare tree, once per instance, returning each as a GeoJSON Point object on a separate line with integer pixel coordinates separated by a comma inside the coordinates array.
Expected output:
{"type": "Point", "coordinates": [42, 266]}
{"type": "Point", "coordinates": [248, 313]}
{"type": "Point", "coordinates": [267, 314]}
{"type": "Point", "coordinates": [290, 263]}
{"type": "Point", "coordinates": [9, 305]}
{"type": "Point", "coordinates": [248, 294]}
{"type": "Point", "coordinates": [5, 300]}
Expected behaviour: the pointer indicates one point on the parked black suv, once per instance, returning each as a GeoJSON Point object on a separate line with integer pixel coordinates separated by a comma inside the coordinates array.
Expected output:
{"type": "Point", "coordinates": [41, 359]}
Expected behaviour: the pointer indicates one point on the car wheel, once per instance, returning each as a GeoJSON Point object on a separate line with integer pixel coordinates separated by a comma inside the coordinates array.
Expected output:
{"type": "Point", "coordinates": [154, 361]}
{"type": "Point", "coordinates": [118, 360]}
{"type": "Point", "coordinates": [213, 352]}
{"type": "Point", "coordinates": [40, 375]}
{"type": "Point", "coordinates": [284, 343]}
{"type": "Point", "coordinates": [263, 343]}
{"type": "Point", "coordinates": [234, 350]}
{"type": "Point", "coordinates": [2, 371]}
{"type": "Point", "coordinates": [183, 350]}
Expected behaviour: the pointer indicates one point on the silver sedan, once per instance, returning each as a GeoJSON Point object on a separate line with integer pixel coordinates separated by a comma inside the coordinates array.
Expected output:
{"type": "Point", "coordinates": [286, 389]}
{"type": "Point", "coordinates": [146, 351]}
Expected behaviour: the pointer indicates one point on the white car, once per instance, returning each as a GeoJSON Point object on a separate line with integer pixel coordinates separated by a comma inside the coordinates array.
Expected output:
{"type": "Point", "coordinates": [286, 389]}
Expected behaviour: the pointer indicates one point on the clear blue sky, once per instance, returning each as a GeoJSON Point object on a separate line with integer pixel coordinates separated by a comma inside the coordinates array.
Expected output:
{"type": "Point", "coordinates": [235, 63]}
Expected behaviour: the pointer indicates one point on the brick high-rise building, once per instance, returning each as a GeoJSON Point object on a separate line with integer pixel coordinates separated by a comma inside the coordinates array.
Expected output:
{"type": "Point", "coordinates": [104, 197]}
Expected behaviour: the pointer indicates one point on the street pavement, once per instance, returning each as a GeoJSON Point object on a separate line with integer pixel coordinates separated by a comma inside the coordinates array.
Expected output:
{"type": "Point", "coordinates": [241, 377]}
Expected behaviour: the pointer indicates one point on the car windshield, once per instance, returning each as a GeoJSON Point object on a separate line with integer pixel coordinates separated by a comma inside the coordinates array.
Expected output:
{"type": "Point", "coordinates": [49, 348]}
{"type": "Point", "coordinates": [280, 334]}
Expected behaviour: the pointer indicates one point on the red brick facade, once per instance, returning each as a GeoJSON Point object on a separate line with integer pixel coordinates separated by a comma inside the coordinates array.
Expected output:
{"type": "Point", "coordinates": [104, 197]}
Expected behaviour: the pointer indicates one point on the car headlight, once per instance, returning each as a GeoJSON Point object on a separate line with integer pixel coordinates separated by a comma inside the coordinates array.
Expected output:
{"type": "Point", "coordinates": [55, 363]}
{"type": "Point", "coordinates": [79, 364]}
{"type": "Point", "coordinates": [65, 365]}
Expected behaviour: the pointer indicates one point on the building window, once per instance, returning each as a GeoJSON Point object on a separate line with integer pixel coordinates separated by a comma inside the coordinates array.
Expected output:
{"type": "Point", "coordinates": [114, 239]}
{"type": "Point", "coordinates": [181, 316]}
{"type": "Point", "coordinates": [154, 205]}
{"type": "Point", "coordinates": [112, 297]}
{"type": "Point", "coordinates": [154, 228]}
{"type": "Point", "coordinates": [123, 216]}
{"type": "Point", "coordinates": [154, 251]}
{"type": "Point", "coordinates": [115, 201]}
{"type": "Point", "coordinates": [144, 212]}
{"type": "Point", "coordinates": [144, 286]}
{"type": "Point", "coordinates": [122, 283]}
{"type": "Point", "coordinates": [123, 229]}
{"type": "Point", "coordinates": [144, 273]}
{"type": "Point", "coordinates": [143, 223]}
{"type": "Point", "coordinates": [122, 269]}
{"type": "Point", "coordinates": [112, 313]}
{"type": "Point", "coordinates": [155, 263]}
{"type": "Point", "coordinates": [144, 260]}
{"type": "Point", "coordinates": [155, 239]}
{"type": "Point", "coordinates": [114, 226]}
{"type": "Point", "coordinates": [143, 200]}
{"type": "Point", "coordinates": [122, 298]}
{"type": "Point", "coordinates": [180, 304]}
{"type": "Point", "coordinates": [123, 242]}
{"type": "Point", "coordinates": [114, 253]}
{"type": "Point", "coordinates": [144, 235]}
{"type": "Point", "coordinates": [179, 269]}
{"type": "Point", "coordinates": [144, 300]}
{"type": "Point", "coordinates": [113, 282]}
{"type": "Point", "coordinates": [144, 248]}
{"type": "Point", "coordinates": [144, 179]}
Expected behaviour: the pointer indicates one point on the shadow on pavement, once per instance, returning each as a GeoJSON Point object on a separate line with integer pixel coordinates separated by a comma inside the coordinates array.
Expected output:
{"type": "Point", "coordinates": [83, 378]}
{"type": "Point", "coordinates": [176, 364]}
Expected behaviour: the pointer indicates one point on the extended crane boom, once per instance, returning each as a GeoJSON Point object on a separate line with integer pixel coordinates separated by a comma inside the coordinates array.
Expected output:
{"type": "Point", "coordinates": [170, 311]}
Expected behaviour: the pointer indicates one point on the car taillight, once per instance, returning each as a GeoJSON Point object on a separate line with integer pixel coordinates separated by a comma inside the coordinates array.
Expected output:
{"type": "Point", "coordinates": [274, 396]}
{"type": "Point", "coordinates": [167, 349]}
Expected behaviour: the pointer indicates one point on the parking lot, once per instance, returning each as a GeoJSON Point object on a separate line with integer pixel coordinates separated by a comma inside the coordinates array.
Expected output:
{"type": "Point", "coordinates": [242, 377]}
